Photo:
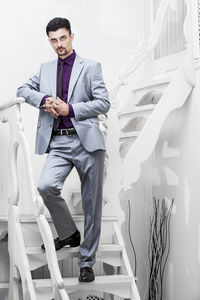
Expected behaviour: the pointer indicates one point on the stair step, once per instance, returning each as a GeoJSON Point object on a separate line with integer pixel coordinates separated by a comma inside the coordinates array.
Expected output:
{"type": "Point", "coordinates": [146, 107]}
{"type": "Point", "coordinates": [32, 236]}
{"type": "Point", "coordinates": [107, 253]}
{"type": "Point", "coordinates": [138, 111]}
{"type": "Point", "coordinates": [115, 284]}
{"type": "Point", "coordinates": [134, 119]}
{"type": "Point", "coordinates": [126, 135]}
{"type": "Point", "coordinates": [74, 250]}
{"type": "Point", "coordinates": [4, 285]}
{"type": "Point", "coordinates": [72, 283]}
{"type": "Point", "coordinates": [3, 227]}
{"type": "Point", "coordinates": [152, 84]}
{"type": "Point", "coordinates": [76, 218]}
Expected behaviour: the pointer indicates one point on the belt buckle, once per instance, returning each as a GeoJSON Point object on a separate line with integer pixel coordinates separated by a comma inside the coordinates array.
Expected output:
{"type": "Point", "coordinates": [69, 132]}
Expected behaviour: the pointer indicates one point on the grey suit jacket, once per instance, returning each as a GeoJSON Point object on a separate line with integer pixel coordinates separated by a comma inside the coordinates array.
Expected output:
{"type": "Point", "coordinates": [87, 94]}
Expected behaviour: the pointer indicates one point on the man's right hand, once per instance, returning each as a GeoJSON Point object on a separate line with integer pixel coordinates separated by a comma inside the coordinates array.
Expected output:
{"type": "Point", "coordinates": [50, 107]}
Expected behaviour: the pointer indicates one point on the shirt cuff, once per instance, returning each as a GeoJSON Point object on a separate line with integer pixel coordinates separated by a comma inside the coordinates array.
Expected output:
{"type": "Point", "coordinates": [71, 111]}
{"type": "Point", "coordinates": [44, 100]}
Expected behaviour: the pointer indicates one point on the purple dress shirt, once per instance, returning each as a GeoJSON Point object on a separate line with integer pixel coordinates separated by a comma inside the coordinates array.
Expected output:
{"type": "Point", "coordinates": [65, 121]}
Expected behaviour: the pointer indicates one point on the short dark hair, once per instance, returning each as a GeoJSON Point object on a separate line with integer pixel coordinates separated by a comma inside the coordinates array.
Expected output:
{"type": "Point", "coordinates": [58, 23]}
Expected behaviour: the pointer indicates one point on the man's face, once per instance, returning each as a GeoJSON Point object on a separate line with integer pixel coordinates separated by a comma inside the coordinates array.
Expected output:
{"type": "Point", "coordinates": [61, 41]}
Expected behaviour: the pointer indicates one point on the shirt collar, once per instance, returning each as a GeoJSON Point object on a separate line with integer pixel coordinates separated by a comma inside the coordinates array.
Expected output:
{"type": "Point", "coordinates": [69, 59]}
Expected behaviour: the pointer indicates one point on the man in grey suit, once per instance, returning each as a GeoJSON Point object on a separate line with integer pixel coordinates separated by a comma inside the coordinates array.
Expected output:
{"type": "Point", "coordinates": [70, 94]}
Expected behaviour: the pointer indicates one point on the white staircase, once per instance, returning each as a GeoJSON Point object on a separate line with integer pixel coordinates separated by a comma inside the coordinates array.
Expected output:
{"type": "Point", "coordinates": [27, 233]}
{"type": "Point", "coordinates": [27, 256]}
{"type": "Point", "coordinates": [174, 97]}
{"type": "Point", "coordinates": [133, 117]}
{"type": "Point", "coordinates": [143, 114]}
{"type": "Point", "coordinates": [111, 251]}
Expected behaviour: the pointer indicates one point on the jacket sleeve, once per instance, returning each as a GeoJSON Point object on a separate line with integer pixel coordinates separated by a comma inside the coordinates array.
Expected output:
{"type": "Point", "coordinates": [100, 103]}
{"type": "Point", "coordinates": [31, 90]}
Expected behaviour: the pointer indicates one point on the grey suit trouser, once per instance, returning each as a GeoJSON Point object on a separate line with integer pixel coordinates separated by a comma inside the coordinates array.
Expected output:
{"type": "Point", "coordinates": [65, 153]}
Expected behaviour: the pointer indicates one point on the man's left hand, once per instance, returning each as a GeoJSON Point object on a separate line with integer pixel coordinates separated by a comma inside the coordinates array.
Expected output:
{"type": "Point", "coordinates": [61, 107]}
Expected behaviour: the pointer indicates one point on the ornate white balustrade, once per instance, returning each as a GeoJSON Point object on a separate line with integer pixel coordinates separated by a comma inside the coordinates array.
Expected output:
{"type": "Point", "coordinates": [19, 266]}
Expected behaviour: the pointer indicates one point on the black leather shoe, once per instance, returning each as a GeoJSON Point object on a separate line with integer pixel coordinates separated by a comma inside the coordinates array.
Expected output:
{"type": "Point", "coordinates": [86, 274]}
{"type": "Point", "coordinates": [72, 241]}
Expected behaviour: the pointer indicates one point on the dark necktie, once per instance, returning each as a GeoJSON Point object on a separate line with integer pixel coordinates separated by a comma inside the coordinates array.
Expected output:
{"type": "Point", "coordinates": [59, 91]}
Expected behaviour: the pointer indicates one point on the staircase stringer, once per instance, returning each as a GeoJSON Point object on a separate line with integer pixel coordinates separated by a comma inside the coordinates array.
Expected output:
{"type": "Point", "coordinates": [18, 258]}
{"type": "Point", "coordinates": [118, 239]}
{"type": "Point", "coordinates": [174, 97]}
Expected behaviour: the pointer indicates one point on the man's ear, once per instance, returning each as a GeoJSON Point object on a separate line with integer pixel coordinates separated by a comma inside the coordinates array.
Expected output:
{"type": "Point", "coordinates": [72, 36]}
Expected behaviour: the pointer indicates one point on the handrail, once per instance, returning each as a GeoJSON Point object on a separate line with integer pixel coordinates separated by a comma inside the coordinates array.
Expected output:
{"type": "Point", "coordinates": [11, 112]}
{"type": "Point", "coordinates": [12, 102]}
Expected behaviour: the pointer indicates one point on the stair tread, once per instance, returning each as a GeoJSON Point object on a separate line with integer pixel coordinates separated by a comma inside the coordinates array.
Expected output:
{"type": "Point", "coordinates": [153, 83]}
{"type": "Point", "coordinates": [3, 218]}
{"type": "Point", "coordinates": [138, 109]}
{"type": "Point", "coordinates": [144, 107]}
{"type": "Point", "coordinates": [73, 281]}
{"type": "Point", "coordinates": [4, 285]}
{"type": "Point", "coordinates": [102, 248]}
{"type": "Point", "coordinates": [129, 134]}
{"type": "Point", "coordinates": [76, 218]}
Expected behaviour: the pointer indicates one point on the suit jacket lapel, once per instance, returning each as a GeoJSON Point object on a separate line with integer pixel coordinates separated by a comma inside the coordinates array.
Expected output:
{"type": "Point", "coordinates": [76, 70]}
{"type": "Point", "coordinates": [53, 77]}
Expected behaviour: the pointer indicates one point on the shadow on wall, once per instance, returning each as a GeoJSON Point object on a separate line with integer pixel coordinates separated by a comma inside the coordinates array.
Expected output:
{"type": "Point", "coordinates": [177, 170]}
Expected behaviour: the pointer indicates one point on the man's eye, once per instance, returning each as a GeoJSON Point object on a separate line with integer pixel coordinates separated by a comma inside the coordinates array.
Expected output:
{"type": "Point", "coordinates": [53, 40]}
{"type": "Point", "coordinates": [63, 38]}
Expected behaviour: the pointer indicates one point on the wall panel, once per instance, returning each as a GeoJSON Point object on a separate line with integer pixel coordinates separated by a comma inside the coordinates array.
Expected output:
{"type": "Point", "coordinates": [172, 38]}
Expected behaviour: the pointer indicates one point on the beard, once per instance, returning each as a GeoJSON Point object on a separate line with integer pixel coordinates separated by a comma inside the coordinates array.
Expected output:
{"type": "Point", "coordinates": [64, 51]}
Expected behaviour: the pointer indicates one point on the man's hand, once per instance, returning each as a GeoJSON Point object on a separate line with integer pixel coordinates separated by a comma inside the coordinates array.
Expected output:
{"type": "Point", "coordinates": [56, 107]}
{"type": "Point", "coordinates": [61, 107]}
{"type": "Point", "coordinates": [50, 107]}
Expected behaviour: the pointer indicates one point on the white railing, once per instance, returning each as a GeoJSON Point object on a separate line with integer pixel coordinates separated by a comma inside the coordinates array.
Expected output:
{"type": "Point", "coordinates": [11, 113]}
{"type": "Point", "coordinates": [145, 48]}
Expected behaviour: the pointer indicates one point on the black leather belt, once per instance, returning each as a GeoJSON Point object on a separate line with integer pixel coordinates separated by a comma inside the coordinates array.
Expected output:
{"type": "Point", "coordinates": [69, 131]}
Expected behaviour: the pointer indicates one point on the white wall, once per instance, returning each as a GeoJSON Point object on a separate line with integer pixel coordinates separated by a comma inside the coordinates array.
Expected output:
{"type": "Point", "coordinates": [177, 162]}
{"type": "Point", "coordinates": [172, 37]}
